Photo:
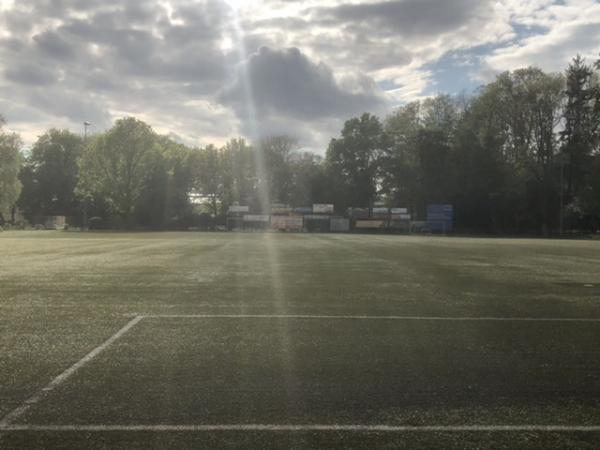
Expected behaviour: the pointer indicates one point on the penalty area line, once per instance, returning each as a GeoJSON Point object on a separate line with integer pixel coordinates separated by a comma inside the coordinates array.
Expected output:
{"type": "Point", "coordinates": [367, 317]}
{"type": "Point", "coordinates": [7, 420]}
{"type": "Point", "coordinates": [302, 428]}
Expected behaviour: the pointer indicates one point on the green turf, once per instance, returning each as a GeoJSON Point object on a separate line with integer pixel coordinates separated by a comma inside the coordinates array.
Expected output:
{"type": "Point", "coordinates": [63, 294]}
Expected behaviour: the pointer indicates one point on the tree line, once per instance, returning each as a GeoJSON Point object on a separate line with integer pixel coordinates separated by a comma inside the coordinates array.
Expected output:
{"type": "Point", "coordinates": [520, 156]}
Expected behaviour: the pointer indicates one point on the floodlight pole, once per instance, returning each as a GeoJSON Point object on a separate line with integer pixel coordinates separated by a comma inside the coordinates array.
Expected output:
{"type": "Point", "coordinates": [86, 124]}
{"type": "Point", "coordinates": [562, 195]}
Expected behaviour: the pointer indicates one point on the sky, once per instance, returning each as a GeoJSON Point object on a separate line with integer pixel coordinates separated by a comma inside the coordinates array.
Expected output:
{"type": "Point", "coordinates": [205, 71]}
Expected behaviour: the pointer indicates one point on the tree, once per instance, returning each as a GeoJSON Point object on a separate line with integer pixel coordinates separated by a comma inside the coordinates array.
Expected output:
{"type": "Point", "coordinates": [527, 104]}
{"type": "Point", "coordinates": [116, 164]}
{"type": "Point", "coordinates": [306, 169]}
{"type": "Point", "coordinates": [433, 149]}
{"type": "Point", "coordinates": [239, 174]}
{"type": "Point", "coordinates": [210, 177]}
{"type": "Point", "coordinates": [164, 201]}
{"type": "Point", "coordinates": [50, 175]}
{"type": "Point", "coordinates": [545, 95]}
{"type": "Point", "coordinates": [417, 167]}
{"type": "Point", "coordinates": [353, 161]}
{"type": "Point", "coordinates": [10, 165]}
{"type": "Point", "coordinates": [400, 171]}
{"type": "Point", "coordinates": [482, 176]}
{"type": "Point", "coordinates": [275, 155]}
{"type": "Point", "coordinates": [178, 209]}
{"type": "Point", "coordinates": [579, 138]}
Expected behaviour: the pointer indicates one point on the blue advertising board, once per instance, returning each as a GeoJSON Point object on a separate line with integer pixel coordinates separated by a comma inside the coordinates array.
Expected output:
{"type": "Point", "coordinates": [440, 218]}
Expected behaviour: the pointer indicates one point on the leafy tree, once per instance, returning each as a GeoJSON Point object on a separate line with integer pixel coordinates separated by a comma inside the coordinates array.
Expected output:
{"type": "Point", "coordinates": [10, 165]}
{"type": "Point", "coordinates": [527, 103]}
{"type": "Point", "coordinates": [433, 148]}
{"type": "Point", "coordinates": [275, 154]}
{"type": "Point", "coordinates": [210, 177]}
{"type": "Point", "coordinates": [305, 171]}
{"type": "Point", "coordinates": [440, 114]}
{"type": "Point", "coordinates": [417, 167]}
{"type": "Point", "coordinates": [588, 203]}
{"type": "Point", "coordinates": [180, 182]}
{"type": "Point", "coordinates": [164, 201]}
{"type": "Point", "coordinates": [239, 174]}
{"type": "Point", "coordinates": [353, 161]}
{"type": "Point", "coordinates": [116, 164]}
{"type": "Point", "coordinates": [482, 176]}
{"type": "Point", "coordinates": [580, 135]}
{"type": "Point", "coordinates": [400, 170]}
{"type": "Point", "coordinates": [50, 175]}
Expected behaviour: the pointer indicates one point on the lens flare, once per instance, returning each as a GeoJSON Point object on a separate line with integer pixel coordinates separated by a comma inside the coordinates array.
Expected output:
{"type": "Point", "coordinates": [277, 285]}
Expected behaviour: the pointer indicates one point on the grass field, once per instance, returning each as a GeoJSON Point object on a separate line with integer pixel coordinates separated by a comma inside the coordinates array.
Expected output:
{"type": "Point", "coordinates": [277, 341]}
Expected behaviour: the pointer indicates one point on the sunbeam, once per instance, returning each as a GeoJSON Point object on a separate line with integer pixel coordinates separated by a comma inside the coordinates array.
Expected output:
{"type": "Point", "coordinates": [273, 258]}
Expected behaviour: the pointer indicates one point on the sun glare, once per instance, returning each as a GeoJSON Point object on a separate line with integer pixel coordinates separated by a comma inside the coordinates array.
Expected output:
{"type": "Point", "coordinates": [6, 4]}
{"type": "Point", "coordinates": [238, 5]}
{"type": "Point", "coordinates": [235, 4]}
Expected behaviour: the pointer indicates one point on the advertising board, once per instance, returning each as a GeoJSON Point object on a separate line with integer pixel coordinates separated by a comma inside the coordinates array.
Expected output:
{"type": "Point", "coordinates": [440, 218]}
{"type": "Point", "coordinates": [322, 208]}
{"type": "Point", "coordinates": [381, 211]}
{"type": "Point", "coordinates": [239, 209]}
{"type": "Point", "coordinates": [340, 225]}
{"type": "Point", "coordinates": [280, 209]}
{"type": "Point", "coordinates": [370, 224]}
{"type": "Point", "coordinates": [256, 218]}
{"type": "Point", "coordinates": [287, 223]}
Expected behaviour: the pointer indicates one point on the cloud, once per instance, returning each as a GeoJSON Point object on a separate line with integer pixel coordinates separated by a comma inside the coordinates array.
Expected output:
{"type": "Point", "coordinates": [75, 60]}
{"type": "Point", "coordinates": [287, 89]}
{"type": "Point", "coordinates": [310, 65]}
{"type": "Point", "coordinates": [285, 82]}
{"type": "Point", "coordinates": [408, 18]}
{"type": "Point", "coordinates": [564, 30]}
{"type": "Point", "coordinates": [30, 74]}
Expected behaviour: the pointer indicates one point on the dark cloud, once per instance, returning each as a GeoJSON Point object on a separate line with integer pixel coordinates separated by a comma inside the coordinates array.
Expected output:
{"type": "Point", "coordinates": [406, 17]}
{"type": "Point", "coordinates": [30, 74]}
{"type": "Point", "coordinates": [73, 105]}
{"type": "Point", "coordinates": [284, 92]}
{"type": "Point", "coordinates": [54, 45]}
{"type": "Point", "coordinates": [287, 83]}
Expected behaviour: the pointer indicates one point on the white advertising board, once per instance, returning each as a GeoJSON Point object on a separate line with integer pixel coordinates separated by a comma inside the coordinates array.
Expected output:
{"type": "Point", "coordinates": [239, 209]}
{"type": "Point", "coordinates": [381, 211]}
{"type": "Point", "coordinates": [322, 208]}
{"type": "Point", "coordinates": [401, 216]}
{"type": "Point", "coordinates": [256, 218]}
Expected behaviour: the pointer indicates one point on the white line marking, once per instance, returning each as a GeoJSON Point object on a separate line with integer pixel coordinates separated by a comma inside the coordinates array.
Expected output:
{"type": "Point", "coordinates": [19, 411]}
{"type": "Point", "coordinates": [334, 317]}
{"type": "Point", "coordinates": [299, 428]}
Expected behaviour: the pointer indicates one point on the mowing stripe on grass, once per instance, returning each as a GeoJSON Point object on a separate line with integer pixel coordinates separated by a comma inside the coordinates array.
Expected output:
{"type": "Point", "coordinates": [303, 428]}
{"type": "Point", "coordinates": [19, 411]}
{"type": "Point", "coordinates": [363, 317]}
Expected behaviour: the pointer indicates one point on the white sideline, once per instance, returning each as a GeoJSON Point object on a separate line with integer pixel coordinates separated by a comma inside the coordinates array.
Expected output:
{"type": "Point", "coordinates": [366, 317]}
{"type": "Point", "coordinates": [19, 411]}
{"type": "Point", "coordinates": [301, 428]}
